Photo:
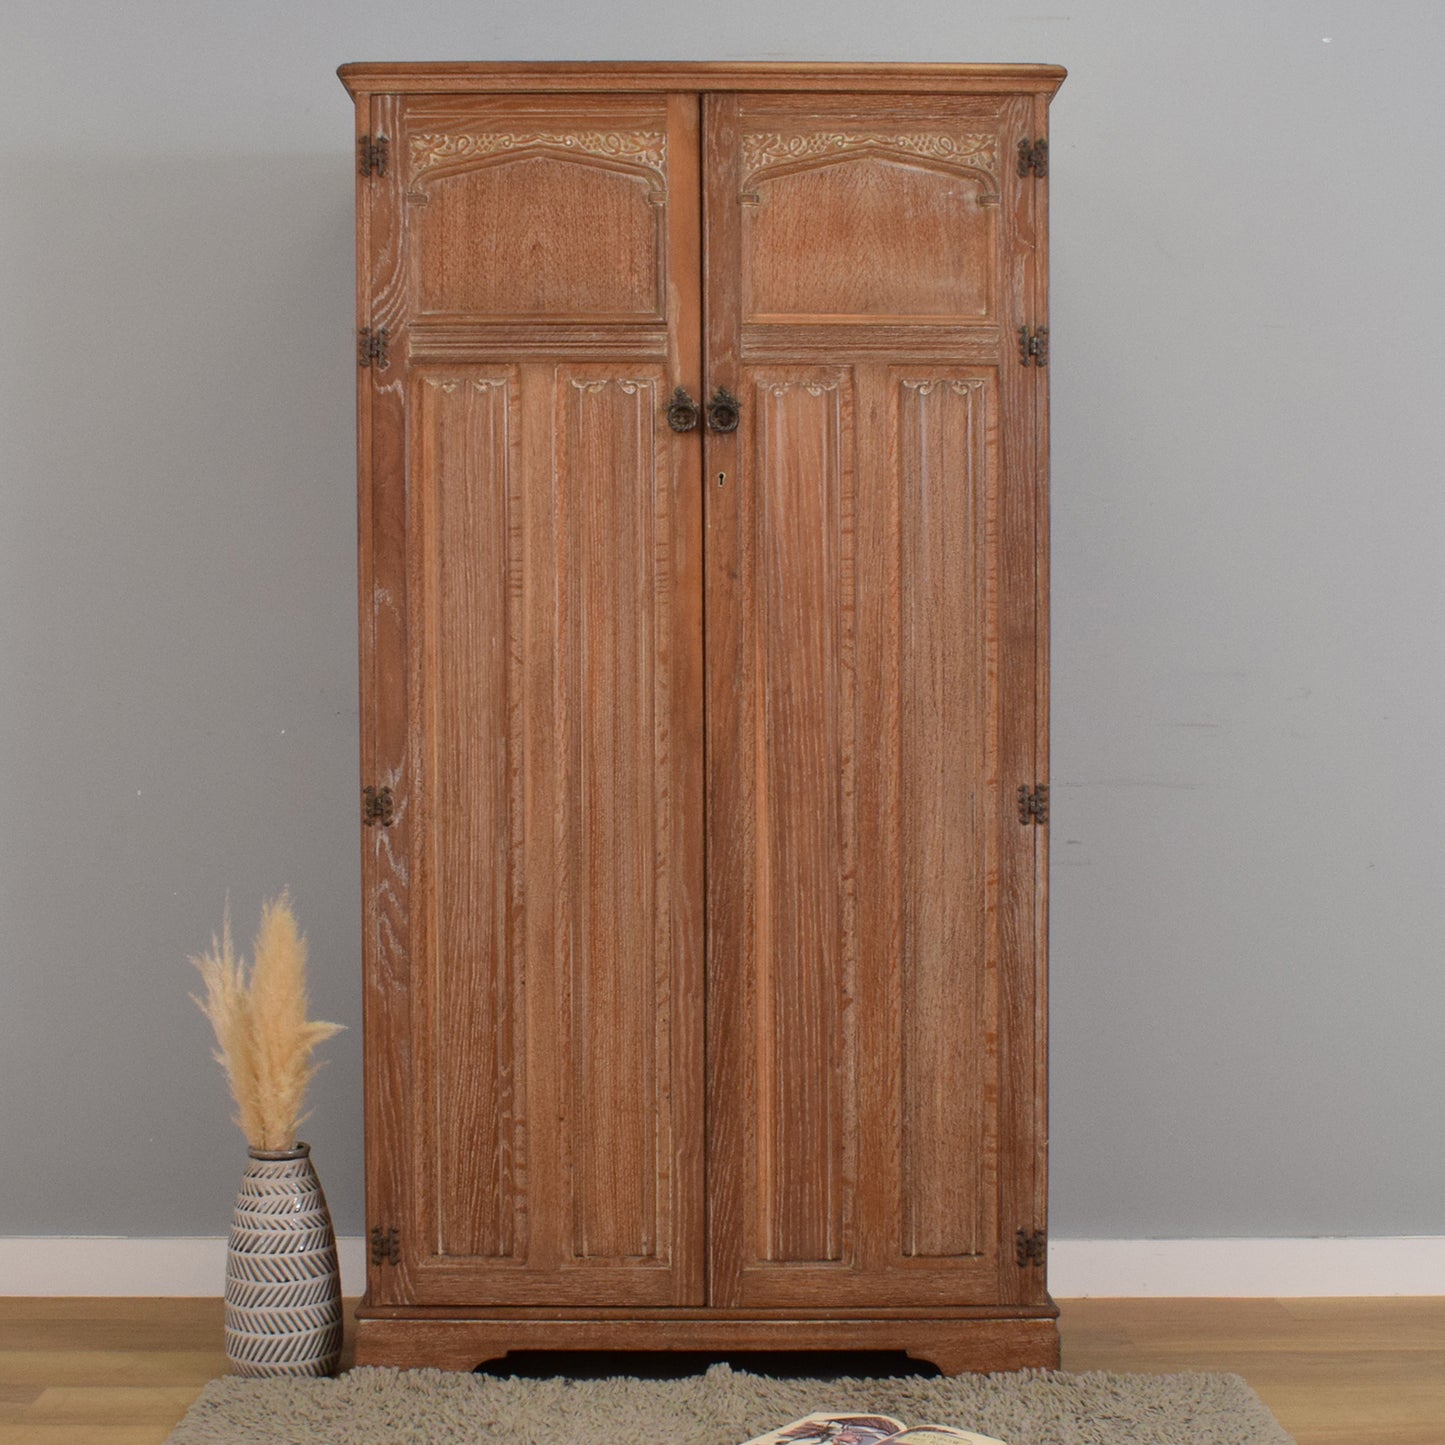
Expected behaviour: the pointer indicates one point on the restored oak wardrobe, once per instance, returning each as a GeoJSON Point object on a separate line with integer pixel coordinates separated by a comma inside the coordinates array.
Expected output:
{"type": "Point", "coordinates": [703, 573]}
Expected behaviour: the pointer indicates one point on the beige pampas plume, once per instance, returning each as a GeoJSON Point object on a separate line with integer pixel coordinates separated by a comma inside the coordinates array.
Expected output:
{"type": "Point", "coordinates": [264, 1040]}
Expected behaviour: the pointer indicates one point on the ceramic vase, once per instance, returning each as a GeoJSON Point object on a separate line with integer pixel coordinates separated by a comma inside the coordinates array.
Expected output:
{"type": "Point", "coordinates": [283, 1287]}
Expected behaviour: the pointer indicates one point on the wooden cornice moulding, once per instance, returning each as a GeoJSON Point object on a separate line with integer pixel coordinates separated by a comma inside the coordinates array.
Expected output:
{"type": "Point", "coordinates": [389, 77]}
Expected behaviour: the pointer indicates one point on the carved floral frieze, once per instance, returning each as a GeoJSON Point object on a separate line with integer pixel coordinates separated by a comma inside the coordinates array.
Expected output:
{"type": "Point", "coordinates": [643, 150]}
{"type": "Point", "coordinates": [765, 150]}
{"type": "Point", "coordinates": [628, 385]}
{"type": "Point", "coordinates": [476, 383]}
{"type": "Point", "coordinates": [782, 388]}
{"type": "Point", "coordinates": [958, 386]}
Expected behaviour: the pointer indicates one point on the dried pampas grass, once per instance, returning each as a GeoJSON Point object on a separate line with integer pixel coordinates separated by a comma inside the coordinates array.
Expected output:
{"type": "Point", "coordinates": [264, 1039]}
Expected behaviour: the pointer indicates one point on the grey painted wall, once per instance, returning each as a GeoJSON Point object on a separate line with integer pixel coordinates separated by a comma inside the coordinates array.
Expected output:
{"type": "Point", "coordinates": [1248, 371]}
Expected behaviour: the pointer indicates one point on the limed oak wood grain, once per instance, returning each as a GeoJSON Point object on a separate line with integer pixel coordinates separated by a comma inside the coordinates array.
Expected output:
{"type": "Point", "coordinates": [795, 673]}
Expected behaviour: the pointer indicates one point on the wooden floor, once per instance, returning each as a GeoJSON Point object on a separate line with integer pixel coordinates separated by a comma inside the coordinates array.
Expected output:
{"type": "Point", "coordinates": [1366, 1372]}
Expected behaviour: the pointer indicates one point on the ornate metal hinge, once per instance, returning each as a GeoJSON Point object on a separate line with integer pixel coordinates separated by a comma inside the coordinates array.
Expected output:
{"type": "Point", "coordinates": [371, 347]}
{"type": "Point", "coordinates": [385, 1245]}
{"type": "Point", "coordinates": [1033, 803]}
{"type": "Point", "coordinates": [1034, 346]}
{"type": "Point", "coordinates": [376, 807]}
{"type": "Point", "coordinates": [371, 155]}
{"type": "Point", "coordinates": [1034, 156]}
{"type": "Point", "coordinates": [1030, 1248]}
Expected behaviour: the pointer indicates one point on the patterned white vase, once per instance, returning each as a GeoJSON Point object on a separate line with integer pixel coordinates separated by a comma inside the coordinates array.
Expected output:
{"type": "Point", "coordinates": [283, 1287]}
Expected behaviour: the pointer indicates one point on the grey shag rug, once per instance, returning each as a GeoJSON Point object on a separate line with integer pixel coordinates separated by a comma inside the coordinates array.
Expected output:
{"type": "Point", "coordinates": [723, 1407]}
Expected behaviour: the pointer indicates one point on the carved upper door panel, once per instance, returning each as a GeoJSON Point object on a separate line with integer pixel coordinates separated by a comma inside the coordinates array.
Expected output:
{"type": "Point", "coordinates": [527, 208]}
{"type": "Point", "coordinates": [870, 211]}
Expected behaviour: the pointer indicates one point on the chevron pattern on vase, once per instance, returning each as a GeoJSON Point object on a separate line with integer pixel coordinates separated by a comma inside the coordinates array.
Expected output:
{"type": "Point", "coordinates": [283, 1287]}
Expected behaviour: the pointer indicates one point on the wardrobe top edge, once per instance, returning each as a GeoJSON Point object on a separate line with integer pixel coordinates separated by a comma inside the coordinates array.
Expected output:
{"type": "Point", "coordinates": [452, 77]}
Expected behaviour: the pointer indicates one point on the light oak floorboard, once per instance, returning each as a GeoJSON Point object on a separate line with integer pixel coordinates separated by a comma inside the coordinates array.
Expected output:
{"type": "Point", "coordinates": [107, 1371]}
{"type": "Point", "coordinates": [1362, 1371]}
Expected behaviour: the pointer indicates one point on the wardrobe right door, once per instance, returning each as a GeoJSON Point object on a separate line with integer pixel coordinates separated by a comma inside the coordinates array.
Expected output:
{"type": "Point", "coordinates": [873, 656]}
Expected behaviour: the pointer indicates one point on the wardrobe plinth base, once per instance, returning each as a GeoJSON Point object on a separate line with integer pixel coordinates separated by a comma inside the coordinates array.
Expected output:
{"type": "Point", "coordinates": [462, 1341]}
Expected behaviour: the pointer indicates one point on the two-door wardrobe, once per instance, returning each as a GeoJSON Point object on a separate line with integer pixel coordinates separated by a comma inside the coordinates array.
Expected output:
{"type": "Point", "coordinates": [703, 581]}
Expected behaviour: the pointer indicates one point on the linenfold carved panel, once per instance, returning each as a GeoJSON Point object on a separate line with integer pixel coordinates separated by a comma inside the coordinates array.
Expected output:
{"type": "Point", "coordinates": [615, 817]}
{"type": "Point", "coordinates": [945, 475]}
{"type": "Point", "coordinates": [465, 492]}
{"type": "Point", "coordinates": [804, 1170]}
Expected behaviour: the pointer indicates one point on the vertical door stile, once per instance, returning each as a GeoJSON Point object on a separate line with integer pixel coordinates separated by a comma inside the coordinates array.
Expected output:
{"type": "Point", "coordinates": [1043, 531]}
{"type": "Point", "coordinates": [729, 722]}
{"type": "Point", "coordinates": [684, 937]}
{"type": "Point", "coordinates": [1022, 855]}
{"type": "Point", "coordinates": [1033, 478]}
{"type": "Point", "coordinates": [386, 702]}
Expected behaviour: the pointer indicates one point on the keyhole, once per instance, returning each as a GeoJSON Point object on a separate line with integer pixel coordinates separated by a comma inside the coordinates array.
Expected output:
{"type": "Point", "coordinates": [721, 478]}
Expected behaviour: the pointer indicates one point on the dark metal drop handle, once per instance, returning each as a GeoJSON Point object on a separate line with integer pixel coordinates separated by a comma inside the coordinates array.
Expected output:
{"type": "Point", "coordinates": [682, 412]}
{"type": "Point", "coordinates": [723, 411]}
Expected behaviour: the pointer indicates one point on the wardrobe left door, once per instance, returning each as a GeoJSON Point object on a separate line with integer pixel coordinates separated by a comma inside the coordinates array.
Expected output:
{"type": "Point", "coordinates": [532, 700]}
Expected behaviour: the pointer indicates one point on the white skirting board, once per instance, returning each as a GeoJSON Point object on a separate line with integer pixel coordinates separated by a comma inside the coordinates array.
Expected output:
{"type": "Point", "coordinates": [101, 1265]}
{"type": "Point", "coordinates": [1247, 1268]}
{"type": "Point", "coordinates": [1239, 1268]}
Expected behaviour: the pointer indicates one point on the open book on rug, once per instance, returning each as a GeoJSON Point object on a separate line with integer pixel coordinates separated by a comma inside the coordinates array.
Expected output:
{"type": "Point", "coordinates": [840, 1429]}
